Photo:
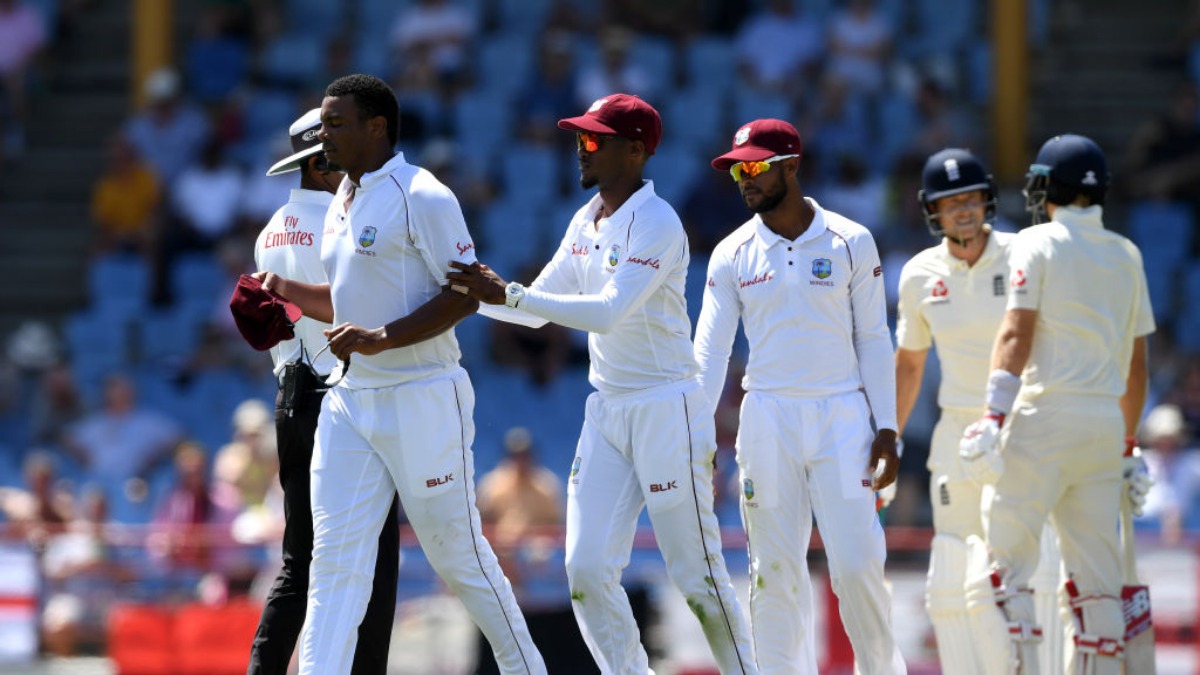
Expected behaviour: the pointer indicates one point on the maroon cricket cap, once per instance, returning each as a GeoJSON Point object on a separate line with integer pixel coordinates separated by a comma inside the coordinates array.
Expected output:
{"type": "Point", "coordinates": [622, 115]}
{"type": "Point", "coordinates": [759, 140]}
{"type": "Point", "coordinates": [264, 318]}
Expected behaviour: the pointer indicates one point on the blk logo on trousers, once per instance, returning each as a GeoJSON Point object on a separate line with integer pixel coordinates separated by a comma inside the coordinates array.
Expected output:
{"type": "Point", "coordinates": [434, 482]}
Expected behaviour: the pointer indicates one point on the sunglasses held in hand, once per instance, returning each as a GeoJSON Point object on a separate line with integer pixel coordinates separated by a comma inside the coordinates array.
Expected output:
{"type": "Point", "coordinates": [753, 169]}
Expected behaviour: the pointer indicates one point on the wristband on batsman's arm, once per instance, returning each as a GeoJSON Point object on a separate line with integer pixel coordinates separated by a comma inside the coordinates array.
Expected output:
{"type": "Point", "coordinates": [1002, 388]}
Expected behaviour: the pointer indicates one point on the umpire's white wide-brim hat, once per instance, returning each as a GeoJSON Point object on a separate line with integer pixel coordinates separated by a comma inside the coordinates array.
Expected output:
{"type": "Point", "coordinates": [305, 143]}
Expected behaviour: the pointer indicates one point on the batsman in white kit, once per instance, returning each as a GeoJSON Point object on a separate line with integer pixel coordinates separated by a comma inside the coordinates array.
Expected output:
{"type": "Point", "coordinates": [954, 294]}
{"type": "Point", "coordinates": [1068, 374]}
{"type": "Point", "coordinates": [807, 285]}
{"type": "Point", "coordinates": [401, 417]}
{"type": "Point", "coordinates": [648, 436]}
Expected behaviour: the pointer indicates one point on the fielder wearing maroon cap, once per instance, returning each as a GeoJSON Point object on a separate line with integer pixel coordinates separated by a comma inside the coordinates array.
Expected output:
{"type": "Point", "coordinates": [759, 140]}
{"type": "Point", "coordinates": [263, 317]}
{"type": "Point", "coordinates": [622, 115]}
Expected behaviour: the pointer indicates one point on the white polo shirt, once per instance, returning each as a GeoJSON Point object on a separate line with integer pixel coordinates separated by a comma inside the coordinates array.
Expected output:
{"type": "Point", "coordinates": [388, 256]}
{"type": "Point", "coordinates": [1089, 289]}
{"type": "Point", "coordinates": [290, 246]}
{"type": "Point", "coordinates": [813, 309]}
{"type": "Point", "coordinates": [622, 280]}
{"type": "Point", "coordinates": [960, 307]}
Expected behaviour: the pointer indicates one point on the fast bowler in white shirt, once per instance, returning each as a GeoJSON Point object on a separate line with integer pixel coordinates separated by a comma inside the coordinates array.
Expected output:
{"type": "Point", "coordinates": [648, 436]}
{"type": "Point", "coordinates": [807, 285]}
{"type": "Point", "coordinates": [401, 417]}
{"type": "Point", "coordinates": [1068, 373]}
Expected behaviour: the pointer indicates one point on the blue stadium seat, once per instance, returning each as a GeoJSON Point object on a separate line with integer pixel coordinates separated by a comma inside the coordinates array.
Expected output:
{"type": "Point", "coordinates": [674, 169]}
{"type": "Point", "coordinates": [199, 285]}
{"type": "Point", "coordinates": [119, 284]}
{"type": "Point", "coordinates": [316, 17]}
{"type": "Point", "coordinates": [1163, 231]}
{"type": "Point", "coordinates": [97, 345]}
{"type": "Point", "coordinates": [376, 17]}
{"type": "Point", "coordinates": [529, 173]}
{"type": "Point", "coordinates": [482, 120]}
{"type": "Point", "coordinates": [505, 62]}
{"type": "Point", "coordinates": [522, 17]}
{"type": "Point", "coordinates": [1187, 328]}
{"type": "Point", "coordinates": [752, 104]}
{"type": "Point", "coordinates": [657, 56]}
{"type": "Point", "coordinates": [267, 111]}
{"type": "Point", "coordinates": [694, 117]}
{"type": "Point", "coordinates": [166, 338]}
{"type": "Point", "coordinates": [293, 58]}
{"type": "Point", "coordinates": [513, 234]}
{"type": "Point", "coordinates": [711, 64]}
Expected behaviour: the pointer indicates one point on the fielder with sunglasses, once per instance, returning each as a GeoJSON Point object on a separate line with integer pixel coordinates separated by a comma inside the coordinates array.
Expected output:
{"type": "Point", "coordinates": [648, 437]}
{"type": "Point", "coordinates": [807, 285]}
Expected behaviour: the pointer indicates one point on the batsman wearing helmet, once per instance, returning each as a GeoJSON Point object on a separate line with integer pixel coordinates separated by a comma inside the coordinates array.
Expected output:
{"type": "Point", "coordinates": [954, 294]}
{"type": "Point", "coordinates": [1067, 384]}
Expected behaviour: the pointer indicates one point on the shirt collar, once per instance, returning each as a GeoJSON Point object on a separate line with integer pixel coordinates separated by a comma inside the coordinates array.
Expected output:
{"type": "Point", "coordinates": [318, 197]}
{"type": "Point", "coordinates": [1076, 216]}
{"type": "Point", "coordinates": [815, 229]}
{"type": "Point", "coordinates": [625, 213]}
{"type": "Point", "coordinates": [989, 252]}
{"type": "Point", "coordinates": [371, 177]}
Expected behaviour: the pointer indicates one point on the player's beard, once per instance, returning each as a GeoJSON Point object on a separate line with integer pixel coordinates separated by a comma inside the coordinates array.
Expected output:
{"type": "Point", "coordinates": [588, 182]}
{"type": "Point", "coordinates": [769, 200]}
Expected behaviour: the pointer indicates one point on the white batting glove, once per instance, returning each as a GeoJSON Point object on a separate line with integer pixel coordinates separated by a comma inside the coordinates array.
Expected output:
{"type": "Point", "coordinates": [980, 449]}
{"type": "Point", "coordinates": [1137, 478]}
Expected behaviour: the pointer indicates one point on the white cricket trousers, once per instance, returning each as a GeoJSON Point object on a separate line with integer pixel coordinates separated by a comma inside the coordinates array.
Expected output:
{"type": "Point", "coordinates": [800, 459]}
{"type": "Point", "coordinates": [1062, 458]}
{"type": "Point", "coordinates": [654, 449]}
{"type": "Point", "coordinates": [414, 438]}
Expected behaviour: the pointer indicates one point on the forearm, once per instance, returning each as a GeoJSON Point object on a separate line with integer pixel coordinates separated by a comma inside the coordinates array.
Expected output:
{"type": "Point", "coordinates": [1133, 401]}
{"type": "Point", "coordinates": [314, 300]}
{"type": "Point", "coordinates": [1014, 341]}
{"type": "Point", "coordinates": [431, 319]}
{"type": "Point", "coordinates": [910, 367]}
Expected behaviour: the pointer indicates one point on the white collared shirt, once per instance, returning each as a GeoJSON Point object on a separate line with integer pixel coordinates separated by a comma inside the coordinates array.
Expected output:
{"type": "Point", "coordinates": [290, 246]}
{"type": "Point", "coordinates": [388, 256]}
{"type": "Point", "coordinates": [813, 309]}
{"type": "Point", "coordinates": [960, 307]}
{"type": "Point", "coordinates": [1088, 287]}
{"type": "Point", "coordinates": [622, 280]}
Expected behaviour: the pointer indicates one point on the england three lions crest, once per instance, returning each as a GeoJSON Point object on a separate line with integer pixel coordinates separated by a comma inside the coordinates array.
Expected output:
{"type": "Point", "coordinates": [822, 268]}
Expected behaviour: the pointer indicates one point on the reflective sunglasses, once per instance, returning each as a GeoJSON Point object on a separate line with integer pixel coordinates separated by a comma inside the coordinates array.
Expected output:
{"type": "Point", "coordinates": [586, 140]}
{"type": "Point", "coordinates": [753, 169]}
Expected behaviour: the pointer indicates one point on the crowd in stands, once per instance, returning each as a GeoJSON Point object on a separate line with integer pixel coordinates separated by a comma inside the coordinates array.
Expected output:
{"type": "Point", "coordinates": [148, 409]}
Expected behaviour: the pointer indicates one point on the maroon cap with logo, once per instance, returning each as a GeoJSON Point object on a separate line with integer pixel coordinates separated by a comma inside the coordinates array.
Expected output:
{"type": "Point", "coordinates": [759, 140]}
{"type": "Point", "coordinates": [263, 317]}
{"type": "Point", "coordinates": [622, 115]}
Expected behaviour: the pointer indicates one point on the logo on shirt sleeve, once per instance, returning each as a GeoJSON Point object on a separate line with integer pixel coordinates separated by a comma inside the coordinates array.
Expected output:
{"type": "Point", "coordinates": [1018, 279]}
{"type": "Point", "coordinates": [939, 291]}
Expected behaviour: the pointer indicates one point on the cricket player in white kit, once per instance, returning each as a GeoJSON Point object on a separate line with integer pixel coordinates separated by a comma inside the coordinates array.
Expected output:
{"type": "Point", "coordinates": [400, 418]}
{"type": "Point", "coordinates": [648, 437]}
{"type": "Point", "coordinates": [1069, 376]}
{"type": "Point", "coordinates": [954, 294]}
{"type": "Point", "coordinates": [807, 285]}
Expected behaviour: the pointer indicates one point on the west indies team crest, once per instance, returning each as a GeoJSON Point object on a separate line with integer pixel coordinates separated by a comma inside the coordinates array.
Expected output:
{"type": "Point", "coordinates": [822, 268]}
{"type": "Point", "coordinates": [367, 237]}
{"type": "Point", "coordinates": [748, 488]}
{"type": "Point", "coordinates": [614, 255]}
{"type": "Point", "coordinates": [575, 466]}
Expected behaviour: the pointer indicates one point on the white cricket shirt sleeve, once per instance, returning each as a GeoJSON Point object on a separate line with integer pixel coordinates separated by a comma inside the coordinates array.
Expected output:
{"type": "Point", "coordinates": [717, 326]}
{"type": "Point", "coordinates": [631, 284]}
{"type": "Point", "coordinates": [912, 329]}
{"type": "Point", "coordinates": [438, 230]}
{"type": "Point", "coordinates": [1026, 272]}
{"type": "Point", "coordinates": [872, 339]}
{"type": "Point", "coordinates": [1143, 316]}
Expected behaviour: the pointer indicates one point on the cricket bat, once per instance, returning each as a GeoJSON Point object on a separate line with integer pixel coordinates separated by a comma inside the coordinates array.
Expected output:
{"type": "Point", "coordinates": [1135, 603]}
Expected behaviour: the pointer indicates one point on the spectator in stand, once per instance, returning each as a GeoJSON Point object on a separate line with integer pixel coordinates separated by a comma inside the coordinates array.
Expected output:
{"type": "Point", "coordinates": [855, 193]}
{"type": "Point", "coordinates": [1186, 393]}
{"type": "Point", "coordinates": [40, 508]}
{"type": "Point", "coordinates": [837, 124]}
{"type": "Point", "coordinates": [796, 42]}
{"type": "Point", "coordinates": [22, 36]}
{"type": "Point", "coordinates": [249, 461]}
{"type": "Point", "coordinates": [677, 20]}
{"type": "Point", "coordinates": [218, 57]}
{"type": "Point", "coordinates": [125, 202]}
{"type": "Point", "coordinates": [943, 124]}
{"type": "Point", "coordinates": [57, 405]}
{"type": "Point", "coordinates": [520, 497]}
{"type": "Point", "coordinates": [438, 32]}
{"type": "Point", "coordinates": [1175, 467]}
{"type": "Point", "coordinates": [613, 71]}
{"type": "Point", "coordinates": [1163, 161]}
{"type": "Point", "coordinates": [120, 444]}
{"type": "Point", "coordinates": [169, 133]}
{"type": "Point", "coordinates": [860, 43]}
{"type": "Point", "coordinates": [205, 200]}
{"type": "Point", "coordinates": [188, 522]}
{"type": "Point", "coordinates": [549, 94]}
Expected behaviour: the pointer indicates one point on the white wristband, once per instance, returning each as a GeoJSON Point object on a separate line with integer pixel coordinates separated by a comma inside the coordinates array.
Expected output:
{"type": "Point", "coordinates": [1002, 388]}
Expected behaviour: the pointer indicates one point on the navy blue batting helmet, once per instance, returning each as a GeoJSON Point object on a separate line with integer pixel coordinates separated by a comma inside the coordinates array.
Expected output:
{"type": "Point", "coordinates": [1067, 166]}
{"type": "Point", "coordinates": [951, 172]}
